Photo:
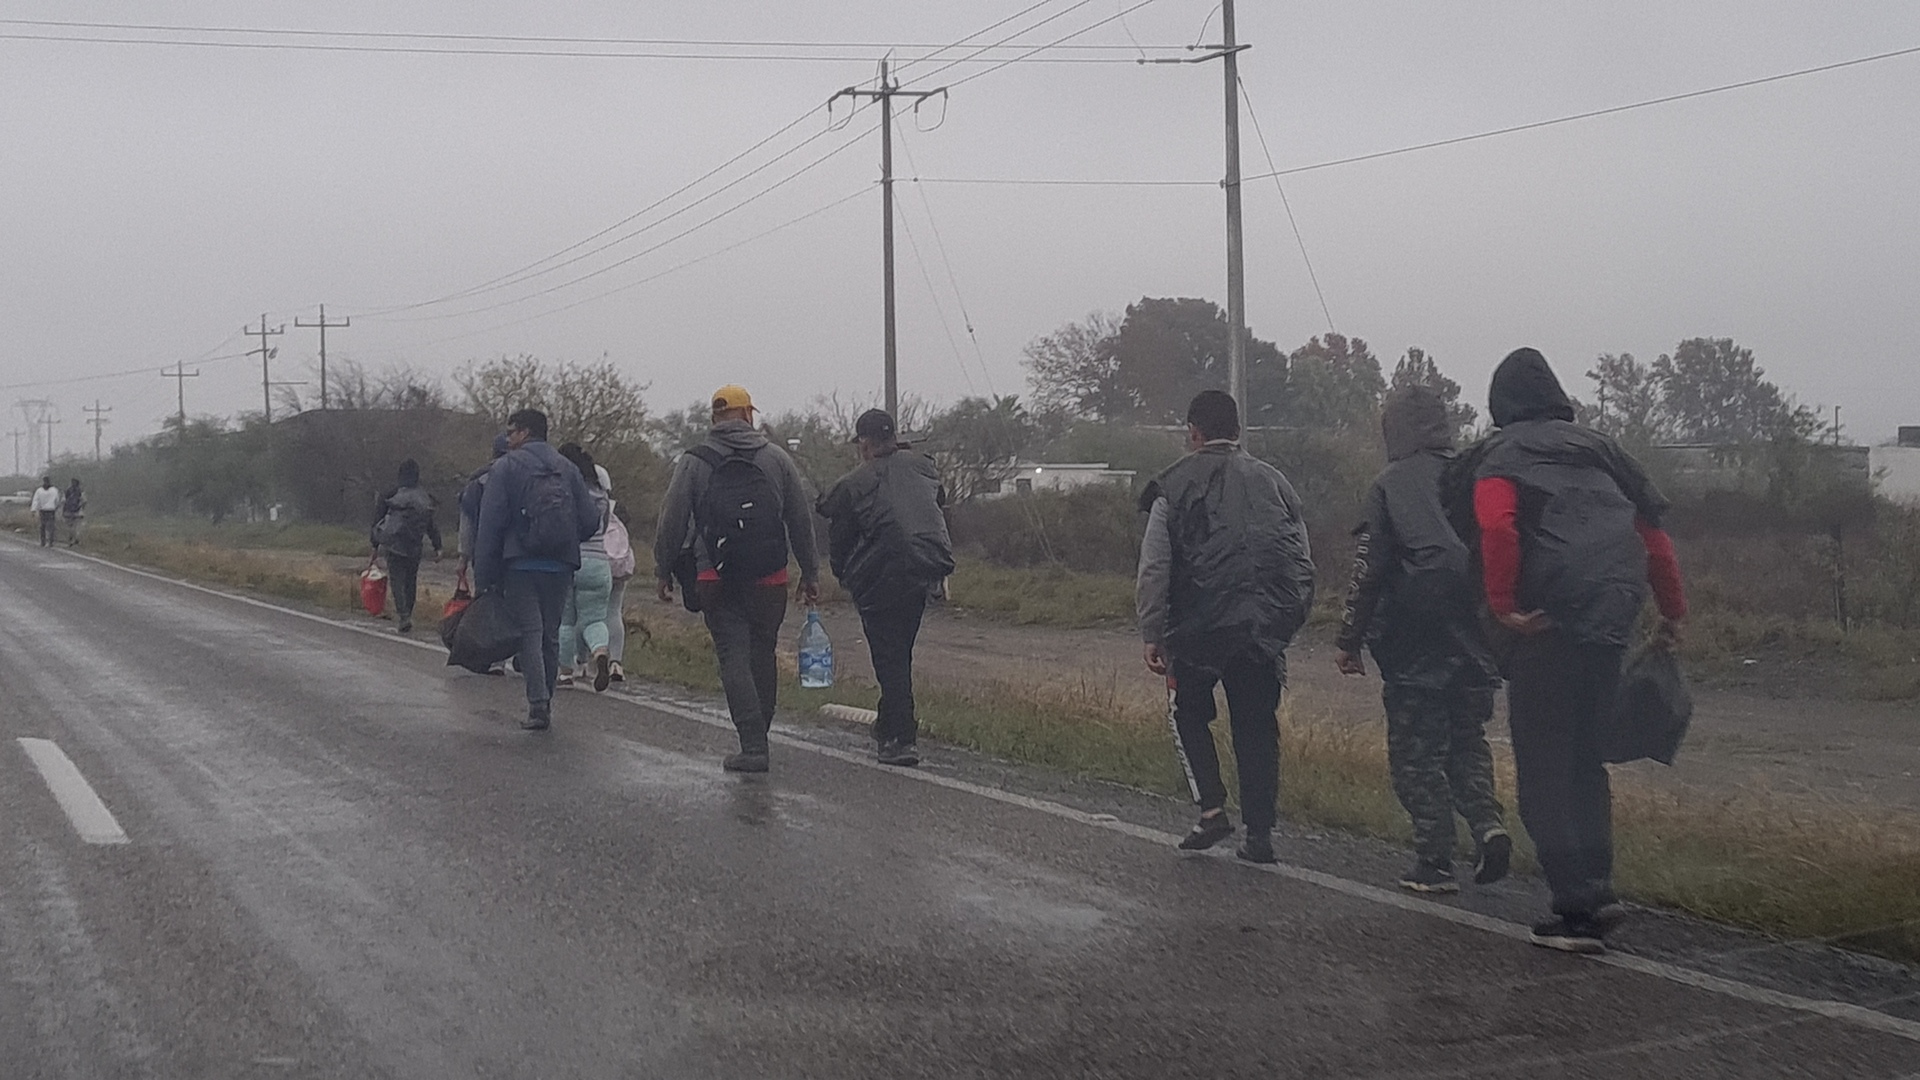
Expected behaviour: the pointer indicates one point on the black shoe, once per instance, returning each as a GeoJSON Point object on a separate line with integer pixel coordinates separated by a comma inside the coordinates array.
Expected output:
{"type": "Point", "coordinates": [539, 717]}
{"type": "Point", "coordinates": [1209, 831]}
{"type": "Point", "coordinates": [405, 627]}
{"type": "Point", "coordinates": [1257, 848]}
{"type": "Point", "coordinates": [899, 753]}
{"type": "Point", "coordinates": [1496, 856]}
{"type": "Point", "coordinates": [746, 761]}
{"type": "Point", "coordinates": [1570, 933]}
{"type": "Point", "coordinates": [601, 673]}
{"type": "Point", "coordinates": [1425, 877]}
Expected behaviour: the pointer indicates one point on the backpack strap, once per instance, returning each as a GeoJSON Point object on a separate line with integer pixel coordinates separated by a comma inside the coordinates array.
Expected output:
{"type": "Point", "coordinates": [708, 454]}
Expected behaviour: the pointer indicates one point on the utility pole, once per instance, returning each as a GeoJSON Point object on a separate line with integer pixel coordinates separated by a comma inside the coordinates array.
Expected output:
{"type": "Point", "coordinates": [1236, 264]}
{"type": "Point", "coordinates": [322, 325]}
{"type": "Point", "coordinates": [16, 433]}
{"type": "Point", "coordinates": [49, 420]}
{"type": "Point", "coordinates": [265, 354]}
{"type": "Point", "coordinates": [887, 91]}
{"type": "Point", "coordinates": [35, 413]}
{"type": "Point", "coordinates": [98, 420]}
{"type": "Point", "coordinates": [180, 375]}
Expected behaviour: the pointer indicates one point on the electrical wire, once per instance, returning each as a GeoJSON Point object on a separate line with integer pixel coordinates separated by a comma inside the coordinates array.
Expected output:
{"type": "Point", "coordinates": [1287, 204]}
{"type": "Point", "coordinates": [939, 308]}
{"type": "Point", "coordinates": [960, 301]}
{"type": "Point", "coordinates": [1003, 41]}
{"type": "Point", "coordinates": [988, 29]}
{"type": "Point", "coordinates": [1050, 45]}
{"type": "Point", "coordinates": [1666, 100]}
{"type": "Point", "coordinates": [1035, 182]}
{"type": "Point", "coordinates": [146, 369]}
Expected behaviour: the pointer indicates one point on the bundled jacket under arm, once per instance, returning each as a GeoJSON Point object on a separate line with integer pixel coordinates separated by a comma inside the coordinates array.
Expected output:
{"type": "Point", "coordinates": [689, 486]}
{"type": "Point", "coordinates": [498, 536]}
{"type": "Point", "coordinates": [887, 537]}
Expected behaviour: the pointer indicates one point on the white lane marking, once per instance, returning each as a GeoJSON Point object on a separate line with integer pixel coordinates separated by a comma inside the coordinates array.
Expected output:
{"type": "Point", "coordinates": [1844, 1012]}
{"type": "Point", "coordinates": [90, 817]}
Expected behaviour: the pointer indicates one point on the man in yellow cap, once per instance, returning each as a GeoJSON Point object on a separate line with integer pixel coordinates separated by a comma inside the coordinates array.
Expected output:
{"type": "Point", "coordinates": [737, 503]}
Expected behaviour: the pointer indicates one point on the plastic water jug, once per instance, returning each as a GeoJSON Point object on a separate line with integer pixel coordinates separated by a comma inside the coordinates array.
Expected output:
{"type": "Point", "coordinates": [816, 654]}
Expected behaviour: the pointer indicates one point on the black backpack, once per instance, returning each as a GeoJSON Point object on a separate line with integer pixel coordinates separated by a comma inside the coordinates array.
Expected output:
{"type": "Point", "coordinates": [547, 526]}
{"type": "Point", "coordinates": [739, 517]}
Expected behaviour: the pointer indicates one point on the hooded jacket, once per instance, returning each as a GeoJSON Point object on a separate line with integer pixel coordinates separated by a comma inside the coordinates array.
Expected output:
{"type": "Point", "coordinates": [1225, 570]}
{"type": "Point", "coordinates": [498, 535]}
{"type": "Point", "coordinates": [1568, 522]}
{"type": "Point", "coordinates": [676, 532]}
{"type": "Point", "coordinates": [887, 538]}
{"type": "Point", "coordinates": [1413, 599]}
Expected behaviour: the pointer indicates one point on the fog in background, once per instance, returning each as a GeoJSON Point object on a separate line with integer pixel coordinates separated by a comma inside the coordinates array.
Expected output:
{"type": "Point", "coordinates": [153, 199]}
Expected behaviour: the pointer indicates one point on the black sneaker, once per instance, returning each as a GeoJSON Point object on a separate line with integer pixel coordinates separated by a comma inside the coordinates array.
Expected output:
{"type": "Point", "coordinates": [1257, 848]}
{"type": "Point", "coordinates": [405, 627]}
{"type": "Point", "coordinates": [539, 717]}
{"type": "Point", "coordinates": [1207, 832]}
{"type": "Point", "coordinates": [602, 673]}
{"type": "Point", "coordinates": [1425, 877]}
{"type": "Point", "coordinates": [899, 753]}
{"type": "Point", "coordinates": [1570, 933]}
{"type": "Point", "coordinates": [746, 761]}
{"type": "Point", "coordinates": [1496, 856]}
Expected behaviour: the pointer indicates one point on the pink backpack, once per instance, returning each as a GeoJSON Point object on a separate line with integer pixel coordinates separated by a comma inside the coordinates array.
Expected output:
{"type": "Point", "coordinates": [619, 546]}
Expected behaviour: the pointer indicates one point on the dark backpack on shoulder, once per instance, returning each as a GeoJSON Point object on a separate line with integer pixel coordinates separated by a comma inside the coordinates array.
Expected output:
{"type": "Point", "coordinates": [547, 526]}
{"type": "Point", "coordinates": [739, 517]}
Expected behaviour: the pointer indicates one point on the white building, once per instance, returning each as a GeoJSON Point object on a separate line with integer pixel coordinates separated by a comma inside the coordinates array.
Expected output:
{"type": "Point", "coordinates": [1030, 476]}
{"type": "Point", "coordinates": [1896, 469]}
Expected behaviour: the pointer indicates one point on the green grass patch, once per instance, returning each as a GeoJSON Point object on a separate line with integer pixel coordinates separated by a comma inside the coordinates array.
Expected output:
{"type": "Point", "coordinates": [1042, 596]}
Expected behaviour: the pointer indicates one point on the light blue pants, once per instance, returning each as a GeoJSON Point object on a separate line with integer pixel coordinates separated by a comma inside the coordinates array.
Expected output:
{"type": "Point", "coordinates": [585, 621]}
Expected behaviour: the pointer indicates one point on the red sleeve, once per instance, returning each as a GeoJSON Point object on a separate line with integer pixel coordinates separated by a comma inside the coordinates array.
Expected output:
{"type": "Point", "coordinates": [1496, 506]}
{"type": "Point", "coordinates": [1663, 570]}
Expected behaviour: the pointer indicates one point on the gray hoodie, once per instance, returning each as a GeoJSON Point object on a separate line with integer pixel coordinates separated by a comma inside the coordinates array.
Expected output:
{"type": "Point", "coordinates": [690, 475]}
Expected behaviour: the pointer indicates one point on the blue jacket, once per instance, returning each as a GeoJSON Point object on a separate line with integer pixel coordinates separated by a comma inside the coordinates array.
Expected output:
{"type": "Point", "coordinates": [498, 534]}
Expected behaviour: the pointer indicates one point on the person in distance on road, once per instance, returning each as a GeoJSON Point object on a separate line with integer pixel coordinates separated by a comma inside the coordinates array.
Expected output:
{"type": "Point", "coordinates": [402, 522]}
{"type": "Point", "coordinates": [743, 500]}
{"type": "Point", "coordinates": [1225, 580]}
{"type": "Point", "coordinates": [46, 505]}
{"type": "Point", "coordinates": [888, 546]}
{"type": "Point", "coordinates": [1414, 602]}
{"type": "Point", "coordinates": [535, 512]}
{"type": "Point", "coordinates": [1570, 540]}
{"type": "Point", "coordinates": [73, 507]}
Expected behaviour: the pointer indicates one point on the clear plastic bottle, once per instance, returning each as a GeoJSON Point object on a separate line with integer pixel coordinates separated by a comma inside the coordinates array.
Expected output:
{"type": "Point", "coordinates": [816, 654]}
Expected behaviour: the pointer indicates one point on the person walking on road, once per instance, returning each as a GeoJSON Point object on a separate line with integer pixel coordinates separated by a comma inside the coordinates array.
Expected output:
{"type": "Point", "coordinates": [1570, 541]}
{"type": "Point", "coordinates": [1415, 604]}
{"type": "Point", "coordinates": [534, 514]}
{"type": "Point", "coordinates": [469, 503]}
{"type": "Point", "coordinates": [622, 562]}
{"type": "Point", "coordinates": [741, 498]}
{"type": "Point", "coordinates": [73, 507]}
{"type": "Point", "coordinates": [1225, 580]}
{"type": "Point", "coordinates": [888, 547]}
{"type": "Point", "coordinates": [402, 524]}
{"type": "Point", "coordinates": [584, 623]}
{"type": "Point", "coordinates": [46, 505]}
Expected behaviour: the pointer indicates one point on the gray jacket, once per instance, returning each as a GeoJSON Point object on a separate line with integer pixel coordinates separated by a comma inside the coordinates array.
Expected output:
{"type": "Point", "coordinates": [676, 531]}
{"type": "Point", "coordinates": [887, 538]}
{"type": "Point", "coordinates": [498, 534]}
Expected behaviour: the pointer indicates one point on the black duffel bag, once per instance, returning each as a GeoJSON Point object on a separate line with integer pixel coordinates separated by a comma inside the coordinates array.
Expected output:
{"type": "Point", "coordinates": [485, 634]}
{"type": "Point", "coordinates": [1651, 709]}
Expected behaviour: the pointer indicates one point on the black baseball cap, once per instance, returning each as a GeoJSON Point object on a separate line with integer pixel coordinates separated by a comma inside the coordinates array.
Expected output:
{"type": "Point", "coordinates": [873, 424]}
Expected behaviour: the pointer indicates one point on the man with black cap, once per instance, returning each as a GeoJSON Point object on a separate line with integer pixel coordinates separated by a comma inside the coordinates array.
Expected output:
{"type": "Point", "coordinates": [1225, 581]}
{"type": "Point", "coordinates": [1570, 541]}
{"type": "Point", "coordinates": [403, 520]}
{"type": "Point", "coordinates": [1414, 602]}
{"type": "Point", "coordinates": [888, 546]}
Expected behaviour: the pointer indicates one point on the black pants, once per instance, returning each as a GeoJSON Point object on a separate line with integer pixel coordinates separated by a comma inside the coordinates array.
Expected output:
{"type": "Point", "coordinates": [536, 598]}
{"type": "Point", "coordinates": [1253, 704]}
{"type": "Point", "coordinates": [744, 621]}
{"type": "Point", "coordinates": [48, 528]}
{"type": "Point", "coordinates": [403, 584]}
{"type": "Point", "coordinates": [1557, 693]}
{"type": "Point", "coordinates": [891, 631]}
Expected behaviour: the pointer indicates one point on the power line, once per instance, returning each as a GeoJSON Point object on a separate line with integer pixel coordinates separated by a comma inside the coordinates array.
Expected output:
{"type": "Point", "coordinates": [1038, 48]}
{"type": "Point", "coordinates": [966, 318]}
{"type": "Point", "coordinates": [939, 308]}
{"type": "Point", "coordinates": [1288, 205]}
{"type": "Point", "coordinates": [1666, 100]}
{"type": "Point", "coordinates": [1003, 41]}
{"type": "Point", "coordinates": [104, 376]}
{"type": "Point", "coordinates": [1026, 182]}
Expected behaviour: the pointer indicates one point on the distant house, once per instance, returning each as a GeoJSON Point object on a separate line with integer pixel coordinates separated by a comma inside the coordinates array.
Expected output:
{"type": "Point", "coordinates": [1030, 476]}
{"type": "Point", "coordinates": [1896, 468]}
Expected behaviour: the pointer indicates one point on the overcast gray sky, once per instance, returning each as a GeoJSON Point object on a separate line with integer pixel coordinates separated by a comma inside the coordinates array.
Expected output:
{"type": "Point", "coordinates": [154, 199]}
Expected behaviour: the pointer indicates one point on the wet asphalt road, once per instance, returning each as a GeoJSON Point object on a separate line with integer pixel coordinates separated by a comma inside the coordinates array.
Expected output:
{"type": "Point", "coordinates": [344, 860]}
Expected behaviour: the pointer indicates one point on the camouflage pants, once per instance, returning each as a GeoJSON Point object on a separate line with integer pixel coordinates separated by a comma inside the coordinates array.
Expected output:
{"type": "Point", "coordinates": [1437, 750]}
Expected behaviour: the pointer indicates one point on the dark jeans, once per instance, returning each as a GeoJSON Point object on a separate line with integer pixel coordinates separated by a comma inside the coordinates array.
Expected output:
{"type": "Point", "coordinates": [891, 631]}
{"type": "Point", "coordinates": [403, 584]}
{"type": "Point", "coordinates": [536, 598]}
{"type": "Point", "coordinates": [744, 621]}
{"type": "Point", "coordinates": [1253, 704]}
{"type": "Point", "coordinates": [1557, 693]}
{"type": "Point", "coordinates": [48, 528]}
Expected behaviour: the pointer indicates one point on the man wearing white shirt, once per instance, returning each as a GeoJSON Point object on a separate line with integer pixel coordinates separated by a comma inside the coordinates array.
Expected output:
{"type": "Point", "coordinates": [46, 503]}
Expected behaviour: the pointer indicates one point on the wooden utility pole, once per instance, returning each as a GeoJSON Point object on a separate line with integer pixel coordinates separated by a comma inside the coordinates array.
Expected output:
{"type": "Point", "coordinates": [322, 325]}
{"type": "Point", "coordinates": [887, 91]}
{"type": "Point", "coordinates": [16, 433]}
{"type": "Point", "coordinates": [180, 375]}
{"type": "Point", "coordinates": [265, 354]}
{"type": "Point", "coordinates": [1236, 264]}
{"type": "Point", "coordinates": [99, 420]}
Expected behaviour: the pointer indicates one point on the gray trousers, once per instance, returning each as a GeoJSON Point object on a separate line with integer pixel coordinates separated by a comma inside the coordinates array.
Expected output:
{"type": "Point", "coordinates": [537, 598]}
{"type": "Point", "coordinates": [745, 623]}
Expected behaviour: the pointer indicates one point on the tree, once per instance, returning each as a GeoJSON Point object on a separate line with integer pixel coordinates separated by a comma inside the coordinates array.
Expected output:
{"type": "Point", "coordinates": [1630, 406]}
{"type": "Point", "coordinates": [1168, 350]}
{"type": "Point", "coordinates": [1416, 368]}
{"type": "Point", "coordinates": [1332, 382]}
{"type": "Point", "coordinates": [1075, 371]}
{"type": "Point", "coordinates": [1711, 391]}
{"type": "Point", "coordinates": [978, 441]}
{"type": "Point", "coordinates": [591, 404]}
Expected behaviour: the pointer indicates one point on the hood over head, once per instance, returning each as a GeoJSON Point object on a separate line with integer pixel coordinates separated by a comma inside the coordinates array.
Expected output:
{"type": "Point", "coordinates": [1524, 388]}
{"type": "Point", "coordinates": [736, 435]}
{"type": "Point", "coordinates": [409, 473]}
{"type": "Point", "coordinates": [1414, 418]}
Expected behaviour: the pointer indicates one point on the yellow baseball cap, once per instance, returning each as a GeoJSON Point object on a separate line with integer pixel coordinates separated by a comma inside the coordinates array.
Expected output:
{"type": "Point", "coordinates": [732, 396]}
